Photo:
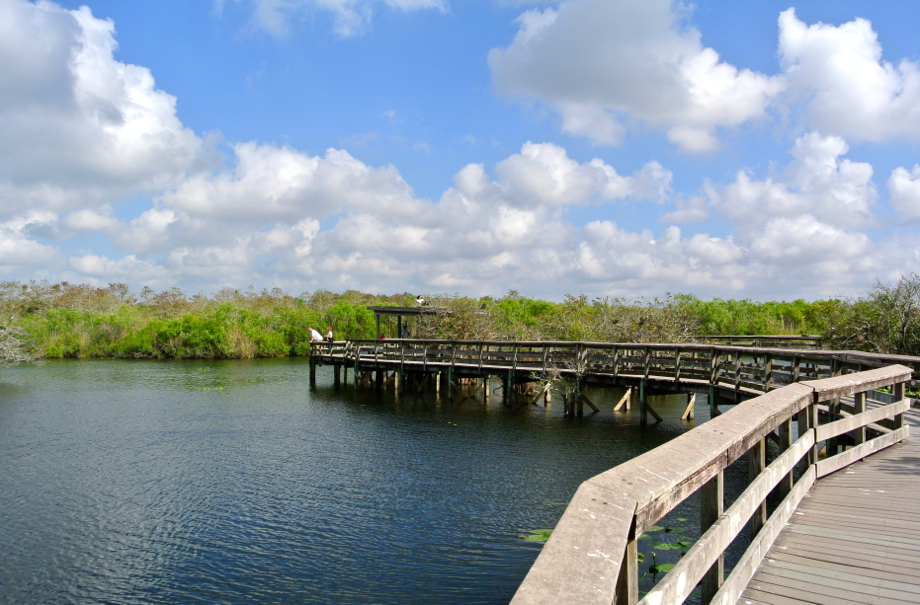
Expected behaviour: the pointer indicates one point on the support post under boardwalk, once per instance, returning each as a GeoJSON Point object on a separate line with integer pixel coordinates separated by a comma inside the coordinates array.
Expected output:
{"type": "Point", "coordinates": [579, 402]}
{"type": "Point", "coordinates": [643, 404]}
{"type": "Point", "coordinates": [624, 400]}
{"type": "Point", "coordinates": [336, 376]}
{"type": "Point", "coordinates": [691, 403]}
{"type": "Point", "coordinates": [312, 370]}
{"type": "Point", "coordinates": [712, 501]}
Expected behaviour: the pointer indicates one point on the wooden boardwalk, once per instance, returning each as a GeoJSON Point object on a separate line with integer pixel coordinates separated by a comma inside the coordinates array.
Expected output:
{"type": "Point", "coordinates": [855, 537]}
{"type": "Point", "coordinates": [841, 529]}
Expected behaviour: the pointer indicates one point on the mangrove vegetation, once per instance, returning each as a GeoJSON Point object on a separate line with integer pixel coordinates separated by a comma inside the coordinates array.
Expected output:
{"type": "Point", "coordinates": [80, 320]}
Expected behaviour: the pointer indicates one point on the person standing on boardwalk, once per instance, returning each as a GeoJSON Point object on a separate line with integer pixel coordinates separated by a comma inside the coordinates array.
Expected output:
{"type": "Point", "coordinates": [329, 337]}
{"type": "Point", "coordinates": [315, 336]}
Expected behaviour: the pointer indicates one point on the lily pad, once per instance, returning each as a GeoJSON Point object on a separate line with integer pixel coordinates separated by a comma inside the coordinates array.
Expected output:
{"type": "Point", "coordinates": [538, 535]}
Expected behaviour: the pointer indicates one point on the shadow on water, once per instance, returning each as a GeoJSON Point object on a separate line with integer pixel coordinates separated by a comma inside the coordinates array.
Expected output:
{"type": "Point", "coordinates": [233, 482]}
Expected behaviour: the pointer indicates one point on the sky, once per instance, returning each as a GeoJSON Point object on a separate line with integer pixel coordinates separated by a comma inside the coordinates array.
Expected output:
{"type": "Point", "coordinates": [603, 147]}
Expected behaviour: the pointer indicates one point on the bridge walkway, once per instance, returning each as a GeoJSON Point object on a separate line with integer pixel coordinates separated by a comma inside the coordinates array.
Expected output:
{"type": "Point", "coordinates": [855, 537]}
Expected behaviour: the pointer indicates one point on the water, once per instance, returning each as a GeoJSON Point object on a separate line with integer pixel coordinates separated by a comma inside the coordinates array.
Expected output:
{"type": "Point", "coordinates": [231, 482]}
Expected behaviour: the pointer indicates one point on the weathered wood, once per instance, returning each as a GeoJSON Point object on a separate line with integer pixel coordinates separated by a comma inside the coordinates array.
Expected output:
{"type": "Point", "coordinates": [757, 462]}
{"type": "Point", "coordinates": [651, 410]}
{"type": "Point", "coordinates": [627, 589]}
{"type": "Point", "coordinates": [848, 384]}
{"type": "Point", "coordinates": [750, 560]}
{"type": "Point", "coordinates": [829, 465]}
{"type": "Point", "coordinates": [580, 563]}
{"type": "Point", "coordinates": [785, 442]}
{"type": "Point", "coordinates": [624, 400]}
{"type": "Point", "coordinates": [654, 483]}
{"type": "Point", "coordinates": [689, 410]}
{"type": "Point", "coordinates": [845, 425]}
{"type": "Point", "coordinates": [712, 501]}
{"type": "Point", "coordinates": [705, 552]}
{"type": "Point", "coordinates": [590, 403]}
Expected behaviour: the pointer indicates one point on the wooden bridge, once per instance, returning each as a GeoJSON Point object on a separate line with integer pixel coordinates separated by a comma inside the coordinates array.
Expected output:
{"type": "Point", "coordinates": [824, 527]}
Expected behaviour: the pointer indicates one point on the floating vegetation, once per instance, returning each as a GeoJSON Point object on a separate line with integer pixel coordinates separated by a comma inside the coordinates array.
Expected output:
{"type": "Point", "coordinates": [537, 535]}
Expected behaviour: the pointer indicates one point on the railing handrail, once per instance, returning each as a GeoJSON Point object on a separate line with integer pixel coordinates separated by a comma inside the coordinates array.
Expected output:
{"type": "Point", "coordinates": [590, 557]}
{"type": "Point", "coordinates": [802, 355]}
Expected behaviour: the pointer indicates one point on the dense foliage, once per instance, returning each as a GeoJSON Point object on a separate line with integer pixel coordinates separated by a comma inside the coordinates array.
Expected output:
{"type": "Point", "coordinates": [66, 320]}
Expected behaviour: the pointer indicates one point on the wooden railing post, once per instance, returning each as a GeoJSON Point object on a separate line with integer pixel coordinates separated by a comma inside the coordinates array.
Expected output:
{"type": "Point", "coordinates": [714, 367]}
{"type": "Point", "coordinates": [627, 591]}
{"type": "Point", "coordinates": [785, 441]}
{"type": "Point", "coordinates": [859, 406]}
{"type": "Point", "coordinates": [768, 373]}
{"type": "Point", "coordinates": [897, 390]}
{"type": "Point", "coordinates": [757, 462]}
{"type": "Point", "coordinates": [712, 501]}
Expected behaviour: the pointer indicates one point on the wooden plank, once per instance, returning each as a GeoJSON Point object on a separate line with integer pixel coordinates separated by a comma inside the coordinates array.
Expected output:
{"type": "Point", "coordinates": [770, 586]}
{"type": "Point", "coordinates": [746, 567]}
{"type": "Point", "coordinates": [821, 593]}
{"type": "Point", "coordinates": [706, 551]}
{"type": "Point", "coordinates": [863, 538]}
{"type": "Point", "coordinates": [845, 568]}
{"type": "Point", "coordinates": [849, 579]}
{"type": "Point", "coordinates": [870, 556]}
{"type": "Point", "coordinates": [840, 386]}
{"type": "Point", "coordinates": [758, 597]}
{"type": "Point", "coordinates": [838, 427]}
{"type": "Point", "coordinates": [891, 570]}
{"type": "Point", "coordinates": [830, 465]}
{"type": "Point", "coordinates": [581, 560]}
{"type": "Point", "coordinates": [712, 502]}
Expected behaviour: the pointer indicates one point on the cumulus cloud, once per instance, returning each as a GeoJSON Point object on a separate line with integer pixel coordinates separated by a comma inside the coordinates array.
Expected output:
{"type": "Point", "coordinates": [837, 191]}
{"type": "Point", "coordinates": [601, 63]}
{"type": "Point", "coordinates": [904, 188]}
{"type": "Point", "coordinates": [76, 125]}
{"type": "Point", "coordinates": [848, 90]}
{"type": "Point", "coordinates": [544, 174]}
{"type": "Point", "coordinates": [350, 17]}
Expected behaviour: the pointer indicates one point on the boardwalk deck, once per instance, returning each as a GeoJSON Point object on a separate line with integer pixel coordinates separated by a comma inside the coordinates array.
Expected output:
{"type": "Point", "coordinates": [845, 537]}
{"type": "Point", "coordinates": [855, 538]}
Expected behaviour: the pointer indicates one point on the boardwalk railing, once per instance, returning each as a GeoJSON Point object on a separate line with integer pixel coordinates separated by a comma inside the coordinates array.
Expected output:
{"type": "Point", "coordinates": [591, 556]}
{"type": "Point", "coordinates": [747, 371]}
{"type": "Point", "coordinates": [763, 340]}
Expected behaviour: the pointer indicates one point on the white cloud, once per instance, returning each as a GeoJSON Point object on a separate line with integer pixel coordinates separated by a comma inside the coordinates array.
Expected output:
{"type": "Point", "coordinates": [602, 62]}
{"type": "Point", "coordinates": [805, 240]}
{"type": "Point", "coordinates": [848, 90]}
{"type": "Point", "coordinates": [904, 187]}
{"type": "Point", "coordinates": [77, 126]}
{"type": "Point", "coordinates": [18, 248]}
{"type": "Point", "coordinates": [272, 183]}
{"type": "Point", "coordinates": [837, 191]}
{"type": "Point", "coordinates": [350, 17]}
{"type": "Point", "coordinates": [693, 210]}
{"type": "Point", "coordinates": [544, 174]}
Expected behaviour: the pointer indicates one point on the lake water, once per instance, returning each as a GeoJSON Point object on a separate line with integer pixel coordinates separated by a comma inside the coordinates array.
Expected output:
{"type": "Point", "coordinates": [233, 482]}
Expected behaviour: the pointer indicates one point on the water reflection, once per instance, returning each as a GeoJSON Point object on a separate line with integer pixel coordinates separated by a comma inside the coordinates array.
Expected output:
{"type": "Point", "coordinates": [230, 481]}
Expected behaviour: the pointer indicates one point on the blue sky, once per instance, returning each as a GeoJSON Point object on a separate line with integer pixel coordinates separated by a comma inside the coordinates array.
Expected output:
{"type": "Point", "coordinates": [761, 150]}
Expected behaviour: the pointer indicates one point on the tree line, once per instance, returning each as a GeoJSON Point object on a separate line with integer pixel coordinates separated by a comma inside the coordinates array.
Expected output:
{"type": "Point", "coordinates": [80, 320]}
